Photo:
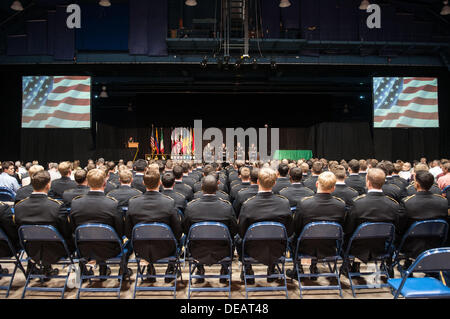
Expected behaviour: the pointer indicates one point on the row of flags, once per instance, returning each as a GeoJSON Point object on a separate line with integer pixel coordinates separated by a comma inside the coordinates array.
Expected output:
{"type": "Point", "coordinates": [156, 144]}
{"type": "Point", "coordinates": [182, 141]}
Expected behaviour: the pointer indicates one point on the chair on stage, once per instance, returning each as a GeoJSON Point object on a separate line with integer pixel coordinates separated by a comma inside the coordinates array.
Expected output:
{"type": "Point", "coordinates": [316, 232]}
{"type": "Point", "coordinates": [433, 260]}
{"type": "Point", "coordinates": [382, 233]}
{"type": "Point", "coordinates": [14, 257]}
{"type": "Point", "coordinates": [265, 232]}
{"type": "Point", "coordinates": [147, 237]}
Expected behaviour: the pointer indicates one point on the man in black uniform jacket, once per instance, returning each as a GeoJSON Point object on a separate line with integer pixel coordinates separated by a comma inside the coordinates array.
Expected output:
{"type": "Point", "coordinates": [81, 189]}
{"type": "Point", "coordinates": [312, 180]}
{"type": "Point", "coordinates": [96, 207]}
{"type": "Point", "coordinates": [10, 229]}
{"type": "Point", "coordinates": [26, 191]}
{"type": "Point", "coordinates": [124, 192]}
{"type": "Point", "coordinates": [296, 191]}
{"type": "Point", "coordinates": [421, 206]}
{"type": "Point", "coordinates": [320, 207]}
{"type": "Point", "coordinates": [180, 186]}
{"type": "Point", "coordinates": [396, 179]}
{"type": "Point", "coordinates": [210, 207]}
{"type": "Point", "coordinates": [153, 207]}
{"type": "Point", "coordinates": [373, 207]}
{"type": "Point", "coordinates": [264, 206]}
{"type": "Point", "coordinates": [389, 188]}
{"type": "Point", "coordinates": [61, 184]}
{"type": "Point", "coordinates": [208, 169]}
{"type": "Point", "coordinates": [113, 177]}
{"type": "Point", "coordinates": [343, 191]}
{"type": "Point", "coordinates": [391, 180]}
{"type": "Point", "coordinates": [246, 193]}
{"type": "Point", "coordinates": [39, 209]}
{"type": "Point", "coordinates": [186, 178]}
{"type": "Point", "coordinates": [410, 189]}
{"type": "Point", "coordinates": [138, 180]}
{"type": "Point", "coordinates": [245, 182]}
{"type": "Point", "coordinates": [168, 181]}
{"type": "Point", "coordinates": [354, 180]}
{"type": "Point", "coordinates": [283, 179]}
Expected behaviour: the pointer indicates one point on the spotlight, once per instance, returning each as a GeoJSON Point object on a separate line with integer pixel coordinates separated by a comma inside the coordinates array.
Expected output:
{"type": "Point", "coordinates": [96, 96]}
{"type": "Point", "coordinates": [362, 97]}
{"type": "Point", "coordinates": [364, 4]}
{"type": "Point", "coordinates": [104, 94]}
{"type": "Point", "coordinates": [284, 4]}
{"type": "Point", "coordinates": [273, 65]}
{"type": "Point", "coordinates": [105, 3]}
{"type": "Point", "coordinates": [191, 3]}
{"type": "Point", "coordinates": [17, 6]}
{"type": "Point", "coordinates": [445, 9]}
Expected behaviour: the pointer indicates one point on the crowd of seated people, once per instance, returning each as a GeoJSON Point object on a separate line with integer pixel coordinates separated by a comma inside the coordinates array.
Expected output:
{"type": "Point", "coordinates": [180, 194]}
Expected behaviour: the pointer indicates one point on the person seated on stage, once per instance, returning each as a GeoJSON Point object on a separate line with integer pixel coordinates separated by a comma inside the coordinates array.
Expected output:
{"type": "Point", "coordinates": [296, 190]}
{"type": "Point", "coordinates": [210, 207]}
{"type": "Point", "coordinates": [138, 179]}
{"type": "Point", "coordinates": [39, 209]}
{"type": "Point", "coordinates": [363, 169]}
{"type": "Point", "coordinates": [25, 191]}
{"type": "Point", "coordinates": [320, 207]}
{"type": "Point", "coordinates": [264, 206]}
{"type": "Point", "coordinates": [6, 178]}
{"type": "Point", "coordinates": [124, 192]}
{"type": "Point", "coordinates": [168, 182]}
{"type": "Point", "coordinates": [354, 180]}
{"type": "Point", "coordinates": [169, 166]}
{"type": "Point", "coordinates": [96, 207]}
{"type": "Point", "coordinates": [444, 180]}
{"type": "Point", "coordinates": [245, 182]}
{"type": "Point", "coordinates": [312, 180]}
{"type": "Point", "coordinates": [81, 189]}
{"type": "Point", "coordinates": [283, 179]}
{"type": "Point", "coordinates": [372, 207]}
{"type": "Point", "coordinates": [180, 186]}
{"type": "Point", "coordinates": [62, 184]}
{"type": "Point", "coordinates": [344, 192]}
{"type": "Point", "coordinates": [186, 179]}
{"type": "Point", "coordinates": [246, 193]}
{"type": "Point", "coordinates": [154, 207]}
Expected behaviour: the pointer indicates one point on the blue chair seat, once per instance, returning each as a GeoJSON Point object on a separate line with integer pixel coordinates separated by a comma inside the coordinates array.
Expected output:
{"type": "Point", "coordinates": [421, 287]}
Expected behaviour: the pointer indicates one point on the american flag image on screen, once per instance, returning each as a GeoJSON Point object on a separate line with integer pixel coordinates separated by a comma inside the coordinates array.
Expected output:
{"type": "Point", "coordinates": [405, 102]}
{"type": "Point", "coordinates": [56, 102]}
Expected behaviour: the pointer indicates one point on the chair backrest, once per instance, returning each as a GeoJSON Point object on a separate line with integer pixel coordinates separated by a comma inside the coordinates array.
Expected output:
{"type": "Point", "coordinates": [322, 231]}
{"type": "Point", "coordinates": [48, 233]}
{"type": "Point", "coordinates": [266, 231]}
{"type": "Point", "coordinates": [6, 195]}
{"type": "Point", "coordinates": [435, 259]}
{"type": "Point", "coordinates": [96, 232]}
{"type": "Point", "coordinates": [427, 228]}
{"type": "Point", "coordinates": [376, 230]}
{"type": "Point", "coordinates": [208, 231]}
{"type": "Point", "coordinates": [155, 231]}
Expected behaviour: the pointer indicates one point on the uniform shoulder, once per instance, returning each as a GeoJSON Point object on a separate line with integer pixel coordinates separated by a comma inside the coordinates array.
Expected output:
{"type": "Point", "coordinates": [136, 190]}
{"type": "Point", "coordinates": [134, 197]}
{"type": "Point", "coordinates": [283, 189]}
{"type": "Point", "coordinates": [339, 199]}
{"type": "Point", "coordinates": [307, 198]}
{"type": "Point", "coordinates": [439, 196]}
{"type": "Point", "coordinates": [281, 196]}
{"type": "Point", "coordinates": [167, 197]}
{"type": "Point", "coordinates": [112, 198]}
{"type": "Point", "coordinates": [352, 189]}
{"type": "Point", "coordinates": [21, 201]}
{"type": "Point", "coordinates": [395, 186]}
{"type": "Point", "coordinates": [359, 197]}
{"type": "Point", "coordinates": [408, 198]}
{"type": "Point", "coordinates": [221, 191]}
{"type": "Point", "coordinates": [77, 197]}
{"type": "Point", "coordinates": [193, 201]}
{"type": "Point", "coordinates": [249, 199]}
{"type": "Point", "coordinates": [392, 199]}
{"type": "Point", "coordinates": [55, 200]}
{"type": "Point", "coordinates": [224, 201]}
{"type": "Point", "coordinates": [181, 195]}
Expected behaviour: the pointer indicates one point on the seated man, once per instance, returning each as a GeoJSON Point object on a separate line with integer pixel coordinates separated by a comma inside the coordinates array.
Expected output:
{"type": "Point", "coordinates": [6, 177]}
{"type": "Point", "coordinates": [96, 207]}
{"type": "Point", "coordinates": [39, 209]}
{"type": "Point", "coordinates": [283, 179]}
{"type": "Point", "coordinates": [245, 182]}
{"type": "Point", "coordinates": [342, 190]}
{"type": "Point", "coordinates": [411, 190]}
{"type": "Point", "coordinates": [81, 189]}
{"type": "Point", "coordinates": [26, 191]}
{"type": "Point", "coordinates": [139, 166]}
{"type": "Point", "coordinates": [264, 206]}
{"type": "Point", "coordinates": [153, 207]}
{"type": "Point", "coordinates": [246, 193]}
{"type": "Point", "coordinates": [316, 171]}
{"type": "Point", "coordinates": [180, 186]}
{"type": "Point", "coordinates": [124, 192]}
{"type": "Point", "coordinates": [389, 188]}
{"type": "Point", "coordinates": [296, 191]}
{"type": "Point", "coordinates": [168, 181]}
{"type": "Point", "coordinates": [320, 207]}
{"type": "Point", "coordinates": [186, 179]}
{"type": "Point", "coordinates": [64, 183]}
{"type": "Point", "coordinates": [210, 207]}
{"type": "Point", "coordinates": [354, 180]}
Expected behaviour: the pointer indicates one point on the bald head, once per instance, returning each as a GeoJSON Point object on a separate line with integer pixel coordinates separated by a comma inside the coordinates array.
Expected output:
{"type": "Point", "coordinates": [375, 178]}
{"type": "Point", "coordinates": [209, 184]}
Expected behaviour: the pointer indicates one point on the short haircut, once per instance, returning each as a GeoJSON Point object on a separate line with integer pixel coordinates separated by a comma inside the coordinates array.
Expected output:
{"type": "Point", "coordinates": [140, 165]}
{"type": "Point", "coordinates": [39, 180]}
{"type": "Point", "coordinates": [382, 166]}
{"type": "Point", "coordinates": [154, 166]}
{"type": "Point", "coordinates": [168, 179]}
{"type": "Point", "coordinates": [305, 167]}
{"type": "Point", "coordinates": [397, 168]}
{"type": "Point", "coordinates": [6, 165]}
{"type": "Point", "coordinates": [267, 177]}
{"type": "Point", "coordinates": [425, 179]}
{"type": "Point", "coordinates": [96, 178]}
{"type": "Point", "coordinates": [80, 176]}
{"type": "Point", "coordinates": [151, 179]}
{"type": "Point", "coordinates": [34, 169]}
{"type": "Point", "coordinates": [354, 165]}
{"type": "Point", "coordinates": [111, 165]}
{"type": "Point", "coordinates": [420, 167]}
{"type": "Point", "coordinates": [283, 169]}
{"type": "Point", "coordinates": [245, 173]}
{"type": "Point", "coordinates": [296, 174]}
{"type": "Point", "coordinates": [317, 167]}
{"type": "Point", "coordinates": [178, 171]}
{"type": "Point", "coordinates": [209, 184]}
{"type": "Point", "coordinates": [90, 166]}
{"type": "Point", "coordinates": [446, 167]}
{"type": "Point", "coordinates": [125, 176]}
{"type": "Point", "coordinates": [339, 171]}
{"type": "Point", "coordinates": [376, 177]}
{"type": "Point", "coordinates": [389, 167]}
{"type": "Point", "coordinates": [169, 164]}
{"type": "Point", "coordinates": [64, 168]}
{"type": "Point", "coordinates": [185, 167]}
{"type": "Point", "coordinates": [326, 180]}
{"type": "Point", "coordinates": [254, 175]}
{"type": "Point", "coordinates": [362, 165]}
{"type": "Point", "coordinates": [207, 170]}
{"type": "Point", "coordinates": [373, 163]}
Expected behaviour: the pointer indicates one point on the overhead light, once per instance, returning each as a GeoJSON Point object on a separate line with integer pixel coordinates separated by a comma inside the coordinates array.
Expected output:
{"type": "Point", "coordinates": [191, 3]}
{"type": "Point", "coordinates": [104, 94]}
{"type": "Point", "coordinates": [105, 3]}
{"type": "Point", "coordinates": [445, 9]}
{"type": "Point", "coordinates": [17, 6]}
{"type": "Point", "coordinates": [364, 4]}
{"type": "Point", "coordinates": [284, 4]}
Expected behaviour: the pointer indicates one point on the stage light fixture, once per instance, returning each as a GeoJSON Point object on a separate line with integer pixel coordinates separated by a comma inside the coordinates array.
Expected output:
{"type": "Point", "coordinates": [364, 4]}
{"type": "Point", "coordinates": [104, 94]}
{"type": "Point", "coordinates": [16, 6]}
{"type": "Point", "coordinates": [191, 3]}
{"type": "Point", "coordinates": [445, 9]}
{"type": "Point", "coordinates": [105, 3]}
{"type": "Point", "coordinates": [362, 97]}
{"type": "Point", "coordinates": [284, 4]}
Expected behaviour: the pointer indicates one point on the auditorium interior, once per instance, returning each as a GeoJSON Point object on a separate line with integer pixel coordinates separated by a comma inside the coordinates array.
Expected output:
{"type": "Point", "coordinates": [306, 67]}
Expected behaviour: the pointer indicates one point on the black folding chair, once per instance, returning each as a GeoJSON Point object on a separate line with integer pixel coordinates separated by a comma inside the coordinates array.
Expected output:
{"type": "Point", "coordinates": [8, 260]}
{"type": "Point", "coordinates": [436, 228]}
{"type": "Point", "coordinates": [318, 231]}
{"type": "Point", "coordinates": [204, 232]}
{"type": "Point", "coordinates": [6, 195]}
{"type": "Point", "coordinates": [384, 232]}
{"type": "Point", "coordinates": [265, 232]}
{"type": "Point", "coordinates": [44, 233]}
{"type": "Point", "coordinates": [154, 235]}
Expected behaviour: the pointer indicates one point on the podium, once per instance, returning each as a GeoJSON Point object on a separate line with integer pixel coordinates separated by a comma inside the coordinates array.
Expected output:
{"type": "Point", "coordinates": [136, 146]}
